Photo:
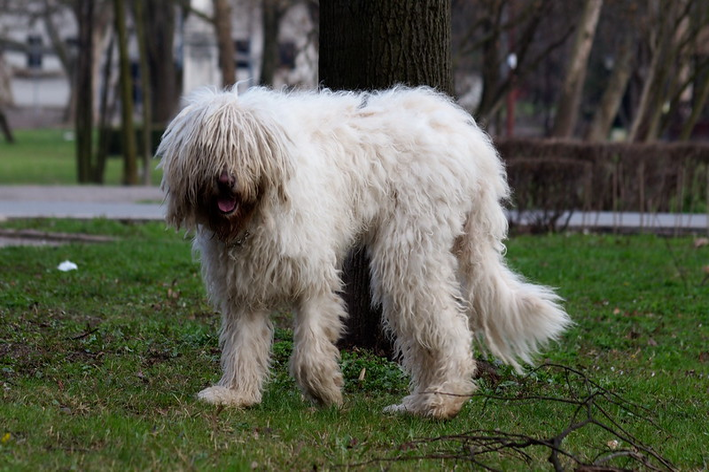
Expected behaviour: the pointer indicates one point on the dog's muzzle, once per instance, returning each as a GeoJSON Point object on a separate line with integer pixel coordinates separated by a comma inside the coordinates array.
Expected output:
{"type": "Point", "coordinates": [227, 201]}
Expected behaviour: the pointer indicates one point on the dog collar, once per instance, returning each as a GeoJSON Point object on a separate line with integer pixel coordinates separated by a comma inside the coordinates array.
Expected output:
{"type": "Point", "coordinates": [240, 240]}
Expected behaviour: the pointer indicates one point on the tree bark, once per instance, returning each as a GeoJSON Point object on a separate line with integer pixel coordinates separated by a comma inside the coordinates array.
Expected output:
{"type": "Point", "coordinates": [5, 128]}
{"type": "Point", "coordinates": [83, 86]}
{"type": "Point", "coordinates": [613, 95]}
{"type": "Point", "coordinates": [104, 113]}
{"type": "Point", "coordinates": [164, 75]}
{"type": "Point", "coordinates": [491, 67]}
{"type": "Point", "coordinates": [225, 42]}
{"type": "Point", "coordinates": [146, 92]}
{"type": "Point", "coordinates": [130, 169]}
{"type": "Point", "coordinates": [572, 89]}
{"type": "Point", "coordinates": [651, 93]}
{"type": "Point", "coordinates": [701, 96]}
{"type": "Point", "coordinates": [60, 49]}
{"type": "Point", "coordinates": [368, 45]}
{"type": "Point", "coordinates": [272, 12]}
{"type": "Point", "coordinates": [5, 99]}
{"type": "Point", "coordinates": [674, 39]}
{"type": "Point", "coordinates": [372, 44]}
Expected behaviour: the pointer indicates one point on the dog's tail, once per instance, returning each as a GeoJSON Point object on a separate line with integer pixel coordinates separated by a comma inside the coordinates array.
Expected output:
{"type": "Point", "coordinates": [514, 318]}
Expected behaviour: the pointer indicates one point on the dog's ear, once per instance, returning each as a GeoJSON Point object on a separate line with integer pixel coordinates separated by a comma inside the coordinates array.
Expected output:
{"type": "Point", "coordinates": [175, 181]}
{"type": "Point", "coordinates": [274, 151]}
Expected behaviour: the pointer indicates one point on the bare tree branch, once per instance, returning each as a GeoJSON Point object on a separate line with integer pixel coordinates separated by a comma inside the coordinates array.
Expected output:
{"type": "Point", "coordinates": [589, 397]}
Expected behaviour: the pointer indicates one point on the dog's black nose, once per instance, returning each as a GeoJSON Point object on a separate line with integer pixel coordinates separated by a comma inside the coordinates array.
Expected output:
{"type": "Point", "coordinates": [224, 178]}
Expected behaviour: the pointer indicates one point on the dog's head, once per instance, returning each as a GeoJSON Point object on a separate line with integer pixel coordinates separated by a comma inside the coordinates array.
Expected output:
{"type": "Point", "coordinates": [222, 161]}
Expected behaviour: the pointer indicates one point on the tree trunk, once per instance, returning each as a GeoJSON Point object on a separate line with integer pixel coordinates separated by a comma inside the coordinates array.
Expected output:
{"type": "Point", "coordinates": [83, 87]}
{"type": "Point", "coordinates": [160, 41]}
{"type": "Point", "coordinates": [5, 128]}
{"type": "Point", "coordinates": [665, 39]}
{"type": "Point", "coordinates": [367, 45]}
{"type": "Point", "coordinates": [5, 99]}
{"type": "Point", "coordinates": [272, 12]}
{"type": "Point", "coordinates": [491, 70]}
{"type": "Point", "coordinates": [222, 25]}
{"type": "Point", "coordinates": [572, 89]}
{"type": "Point", "coordinates": [104, 112]}
{"type": "Point", "coordinates": [130, 169]}
{"type": "Point", "coordinates": [613, 95]}
{"type": "Point", "coordinates": [146, 93]}
{"type": "Point", "coordinates": [639, 130]}
{"type": "Point", "coordinates": [701, 96]}
{"type": "Point", "coordinates": [372, 44]}
{"type": "Point", "coordinates": [65, 59]}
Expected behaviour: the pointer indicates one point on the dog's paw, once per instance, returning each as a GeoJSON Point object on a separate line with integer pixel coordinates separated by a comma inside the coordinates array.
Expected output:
{"type": "Point", "coordinates": [429, 405]}
{"type": "Point", "coordinates": [218, 395]}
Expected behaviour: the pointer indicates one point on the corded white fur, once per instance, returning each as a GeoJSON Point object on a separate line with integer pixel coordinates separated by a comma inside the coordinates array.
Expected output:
{"type": "Point", "coordinates": [404, 171]}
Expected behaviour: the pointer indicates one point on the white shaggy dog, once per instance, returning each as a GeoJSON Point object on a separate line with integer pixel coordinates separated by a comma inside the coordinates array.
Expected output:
{"type": "Point", "coordinates": [278, 187]}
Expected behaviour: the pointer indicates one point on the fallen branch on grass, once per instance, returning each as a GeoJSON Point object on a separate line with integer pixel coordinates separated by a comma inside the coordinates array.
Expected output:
{"type": "Point", "coordinates": [591, 403]}
{"type": "Point", "coordinates": [58, 238]}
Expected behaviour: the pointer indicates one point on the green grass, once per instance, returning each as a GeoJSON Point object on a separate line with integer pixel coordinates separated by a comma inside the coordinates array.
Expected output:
{"type": "Point", "coordinates": [99, 366]}
{"type": "Point", "coordinates": [47, 156]}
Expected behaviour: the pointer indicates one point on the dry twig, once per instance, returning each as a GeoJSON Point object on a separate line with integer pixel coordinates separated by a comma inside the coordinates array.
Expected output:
{"type": "Point", "coordinates": [592, 403]}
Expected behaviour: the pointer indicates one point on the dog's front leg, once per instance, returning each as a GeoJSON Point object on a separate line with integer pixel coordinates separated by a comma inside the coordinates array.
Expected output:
{"type": "Point", "coordinates": [245, 340]}
{"type": "Point", "coordinates": [314, 363]}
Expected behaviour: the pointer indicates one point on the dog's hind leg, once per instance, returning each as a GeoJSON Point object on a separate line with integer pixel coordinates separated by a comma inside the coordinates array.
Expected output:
{"type": "Point", "coordinates": [246, 343]}
{"type": "Point", "coordinates": [420, 297]}
{"type": "Point", "coordinates": [314, 363]}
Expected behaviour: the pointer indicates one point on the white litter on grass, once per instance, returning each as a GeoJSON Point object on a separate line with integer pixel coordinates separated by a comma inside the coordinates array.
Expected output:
{"type": "Point", "coordinates": [66, 266]}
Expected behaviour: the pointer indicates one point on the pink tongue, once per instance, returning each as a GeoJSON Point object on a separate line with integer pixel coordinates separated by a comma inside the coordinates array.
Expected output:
{"type": "Point", "coordinates": [226, 205]}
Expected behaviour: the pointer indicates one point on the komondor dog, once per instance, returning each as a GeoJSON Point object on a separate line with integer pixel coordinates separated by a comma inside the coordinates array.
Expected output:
{"type": "Point", "coordinates": [277, 187]}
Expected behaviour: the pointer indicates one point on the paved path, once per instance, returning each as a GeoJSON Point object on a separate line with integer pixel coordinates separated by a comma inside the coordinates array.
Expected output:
{"type": "Point", "coordinates": [82, 202]}
{"type": "Point", "coordinates": [145, 204]}
{"type": "Point", "coordinates": [634, 222]}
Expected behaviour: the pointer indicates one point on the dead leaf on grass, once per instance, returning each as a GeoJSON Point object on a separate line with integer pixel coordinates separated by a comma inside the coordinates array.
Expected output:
{"type": "Point", "coordinates": [701, 242]}
{"type": "Point", "coordinates": [704, 356]}
{"type": "Point", "coordinates": [362, 373]}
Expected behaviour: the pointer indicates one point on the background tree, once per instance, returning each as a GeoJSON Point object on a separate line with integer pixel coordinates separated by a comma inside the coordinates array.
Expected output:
{"type": "Point", "coordinates": [368, 45]}
{"type": "Point", "coordinates": [616, 87]}
{"type": "Point", "coordinates": [49, 11]}
{"type": "Point", "coordinates": [5, 99]}
{"type": "Point", "coordinates": [129, 148]}
{"type": "Point", "coordinates": [225, 42]}
{"type": "Point", "coordinates": [164, 75]}
{"type": "Point", "coordinates": [673, 32]}
{"type": "Point", "coordinates": [83, 85]}
{"type": "Point", "coordinates": [66, 59]}
{"type": "Point", "coordinates": [571, 93]}
{"type": "Point", "coordinates": [146, 92]}
{"type": "Point", "coordinates": [272, 12]}
{"type": "Point", "coordinates": [105, 110]}
{"type": "Point", "coordinates": [487, 32]}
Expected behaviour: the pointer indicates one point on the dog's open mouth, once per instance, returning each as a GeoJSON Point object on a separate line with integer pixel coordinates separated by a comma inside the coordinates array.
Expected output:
{"type": "Point", "coordinates": [227, 204]}
{"type": "Point", "coordinates": [227, 201]}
